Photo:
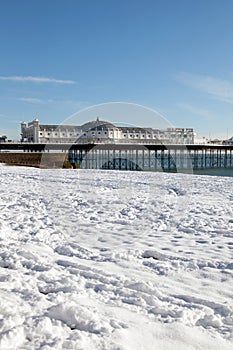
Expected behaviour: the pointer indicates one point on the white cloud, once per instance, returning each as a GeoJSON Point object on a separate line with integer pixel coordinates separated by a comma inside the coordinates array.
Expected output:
{"type": "Point", "coordinates": [217, 88]}
{"type": "Point", "coordinates": [31, 100]}
{"type": "Point", "coordinates": [70, 103]}
{"type": "Point", "coordinates": [204, 113]}
{"type": "Point", "coordinates": [8, 118]}
{"type": "Point", "coordinates": [36, 80]}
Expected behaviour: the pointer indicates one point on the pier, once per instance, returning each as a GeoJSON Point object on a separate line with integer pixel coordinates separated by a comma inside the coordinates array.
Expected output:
{"type": "Point", "coordinates": [151, 157]}
{"type": "Point", "coordinates": [144, 157]}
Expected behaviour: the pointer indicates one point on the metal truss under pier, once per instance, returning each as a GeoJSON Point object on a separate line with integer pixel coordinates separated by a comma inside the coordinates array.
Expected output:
{"type": "Point", "coordinates": [151, 157]}
{"type": "Point", "coordinates": [172, 158]}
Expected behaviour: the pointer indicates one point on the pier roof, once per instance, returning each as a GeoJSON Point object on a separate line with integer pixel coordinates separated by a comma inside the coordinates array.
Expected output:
{"type": "Point", "coordinates": [98, 124]}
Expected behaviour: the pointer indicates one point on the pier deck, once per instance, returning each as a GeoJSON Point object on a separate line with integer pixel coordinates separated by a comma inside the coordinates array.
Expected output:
{"type": "Point", "coordinates": [153, 157]}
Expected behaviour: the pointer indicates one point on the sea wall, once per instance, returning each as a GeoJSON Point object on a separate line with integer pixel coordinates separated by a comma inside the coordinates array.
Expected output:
{"type": "Point", "coordinates": [34, 159]}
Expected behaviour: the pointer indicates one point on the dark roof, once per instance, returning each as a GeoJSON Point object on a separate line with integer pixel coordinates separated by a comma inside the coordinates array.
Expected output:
{"type": "Point", "coordinates": [97, 124]}
{"type": "Point", "coordinates": [62, 127]}
{"type": "Point", "coordinates": [135, 129]}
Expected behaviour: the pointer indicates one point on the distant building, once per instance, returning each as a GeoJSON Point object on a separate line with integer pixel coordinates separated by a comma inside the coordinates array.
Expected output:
{"type": "Point", "coordinates": [215, 142]}
{"type": "Point", "coordinates": [3, 138]}
{"type": "Point", "coordinates": [229, 141]}
{"type": "Point", "coordinates": [102, 131]}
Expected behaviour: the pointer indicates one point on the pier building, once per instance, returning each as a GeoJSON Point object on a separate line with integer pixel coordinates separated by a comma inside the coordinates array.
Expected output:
{"type": "Point", "coordinates": [103, 131]}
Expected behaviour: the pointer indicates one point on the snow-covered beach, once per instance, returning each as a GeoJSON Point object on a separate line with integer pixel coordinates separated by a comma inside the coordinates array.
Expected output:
{"type": "Point", "coordinates": [115, 260]}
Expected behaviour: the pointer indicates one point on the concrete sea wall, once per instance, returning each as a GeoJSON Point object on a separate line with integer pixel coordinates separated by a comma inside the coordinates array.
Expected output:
{"type": "Point", "coordinates": [34, 159]}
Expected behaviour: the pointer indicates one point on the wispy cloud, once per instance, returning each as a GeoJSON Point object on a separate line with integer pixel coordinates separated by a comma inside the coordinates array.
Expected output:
{"type": "Point", "coordinates": [31, 79]}
{"type": "Point", "coordinates": [204, 113]}
{"type": "Point", "coordinates": [70, 103]}
{"type": "Point", "coordinates": [31, 100]}
{"type": "Point", "coordinates": [8, 119]}
{"type": "Point", "coordinates": [217, 88]}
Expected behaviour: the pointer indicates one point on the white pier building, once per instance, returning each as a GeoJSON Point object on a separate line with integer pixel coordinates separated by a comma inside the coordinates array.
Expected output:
{"type": "Point", "coordinates": [103, 131]}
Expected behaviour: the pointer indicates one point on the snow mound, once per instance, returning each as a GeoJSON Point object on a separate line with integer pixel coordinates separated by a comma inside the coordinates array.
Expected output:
{"type": "Point", "coordinates": [78, 317]}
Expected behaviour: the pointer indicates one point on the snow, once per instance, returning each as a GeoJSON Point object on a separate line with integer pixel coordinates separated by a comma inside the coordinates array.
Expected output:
{"type": "Point", "coordinates": [115, 260]}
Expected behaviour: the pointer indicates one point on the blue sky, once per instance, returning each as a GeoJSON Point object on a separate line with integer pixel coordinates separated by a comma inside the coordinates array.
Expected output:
{"type": "Point", "coordinates": [59, 56]}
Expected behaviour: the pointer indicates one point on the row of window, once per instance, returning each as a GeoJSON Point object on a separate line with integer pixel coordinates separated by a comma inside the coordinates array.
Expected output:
{"type": "Point", "coordinates": [64, 134]}
{"type": "Point", "coordinates": [143, 136]}
{"type": "Point", "coordinates": [56, 134]}
{"type": "Point", "coordinates": [125, 135]}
